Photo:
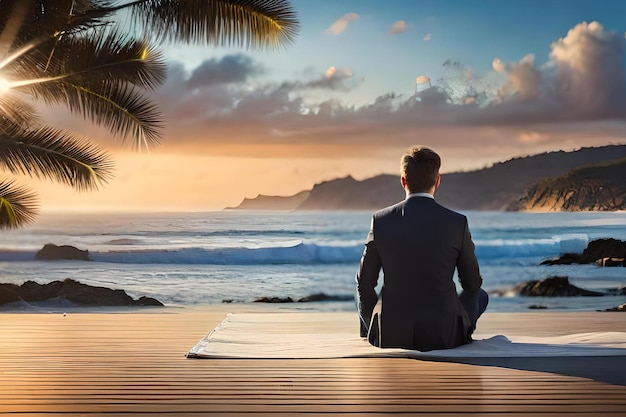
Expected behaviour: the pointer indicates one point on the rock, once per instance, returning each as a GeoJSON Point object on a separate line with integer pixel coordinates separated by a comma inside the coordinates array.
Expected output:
{"type": "Point", "coordinates": [611, 262]}
{"type": "Point", "coordinates": [274, 300]}
{"type": "Point", "coordinates": [320, 296]}
{"type": "Point", "coordinates": [149, 302]}
{"type": "Point", "coordinates": [8, 293]}
{"type": "Point", "coordinates": [604, 248]}
{"type": "Point", "coordinates": [537, 307]}
{"type": "Point", "coordinates": [621, 307]}
{"type": "Point", "coordinates": [565, 259]}
{"type": "Point", "coordinates": [595, 250]}
{"type": "Point", "coordinates": [553, 287]}
{"type": "Point", "coordinates": [75, 292]}
{"type": "Point", "coordinates": [53, 252]}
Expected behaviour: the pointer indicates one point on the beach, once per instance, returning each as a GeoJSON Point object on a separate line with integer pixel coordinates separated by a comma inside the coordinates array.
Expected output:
{"type": "Point", "coordinates": [132, 362]}
{"type": "Point", "coordinates": [62, 359]}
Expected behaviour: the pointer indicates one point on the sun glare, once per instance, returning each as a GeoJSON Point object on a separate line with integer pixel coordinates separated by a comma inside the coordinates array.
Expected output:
{"type": "Point", "coordinates": [4, 85]}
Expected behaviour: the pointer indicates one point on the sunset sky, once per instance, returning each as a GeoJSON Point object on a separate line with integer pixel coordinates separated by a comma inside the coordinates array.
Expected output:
{"type": "Point", "coordinates": [497, 79]}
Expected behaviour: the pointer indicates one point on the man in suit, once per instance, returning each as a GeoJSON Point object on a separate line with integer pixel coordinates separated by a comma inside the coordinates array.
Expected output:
{"type": "Point", "coordinates": [418, 244]}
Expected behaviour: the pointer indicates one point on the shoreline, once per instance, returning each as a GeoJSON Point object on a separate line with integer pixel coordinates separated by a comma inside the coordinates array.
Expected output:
{"type": "Point", "coordinates": [534, 305]}
{"type": "Point", "coordinates": [560, 322]}
{"type": "Point", "coordinates": [497, 304]}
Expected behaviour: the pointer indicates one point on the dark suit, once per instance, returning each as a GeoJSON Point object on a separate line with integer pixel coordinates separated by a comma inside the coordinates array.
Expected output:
{"type": "Point", "coordinates": [418, 244]}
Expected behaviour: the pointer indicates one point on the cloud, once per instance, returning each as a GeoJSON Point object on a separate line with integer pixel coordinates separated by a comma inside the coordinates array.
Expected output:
{"type": "Point", "coordinates": [398, 27]}
{"type": "Point", "coordinates": [229, 69]}
{"type": "Point", "coordinates": [498, 65]}
{"type": "Point", "coordinates": [522, 81]}
{"type": "Point", "coordinates": [333, 79]}
{"type": "Point", "coordinates": [576, 98]}
{"type": "Point", "coordinates": [428, 37]}
{"type": "Point", "coordinates": [584, 79]}
{"type": "Point", "coordinates": [341, 24]}
{"type": "Point", "coordinates": [589, 71]}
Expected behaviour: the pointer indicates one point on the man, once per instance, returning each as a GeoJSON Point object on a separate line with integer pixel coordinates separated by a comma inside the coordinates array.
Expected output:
{"type": "Point", "coordinates": [418, 244]}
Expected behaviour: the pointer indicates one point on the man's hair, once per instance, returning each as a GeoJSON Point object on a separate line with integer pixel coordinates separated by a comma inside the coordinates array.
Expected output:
{"type": "Point", "coordinates": [420, 167]}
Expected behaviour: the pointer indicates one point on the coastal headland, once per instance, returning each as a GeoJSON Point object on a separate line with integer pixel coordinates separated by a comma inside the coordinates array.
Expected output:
{"type": "Point", "coordinates": [586, 179]}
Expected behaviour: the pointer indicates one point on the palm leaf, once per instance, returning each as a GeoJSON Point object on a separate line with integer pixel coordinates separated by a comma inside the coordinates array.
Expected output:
{"type": "Point", "coordinates": [111, 57]}
{"type": "Point", "coordinates": [48, 153]}
{"type": "Point", "coordinates": [18, 205]}
{"type": "Point", "coordinates": [95, 77]}
{"type": "Point", "coordinates": [15, 112]}
{"type": "Point", "coordinates": [123, 109]}
{"type": "Point", "coordinates": [243, 23]}
{"type": "Point", "coordinates": [29, 19]}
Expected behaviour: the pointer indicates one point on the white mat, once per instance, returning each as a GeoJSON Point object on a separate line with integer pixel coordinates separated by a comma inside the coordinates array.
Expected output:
{"type": "Point", "coordinates": [317, 336]}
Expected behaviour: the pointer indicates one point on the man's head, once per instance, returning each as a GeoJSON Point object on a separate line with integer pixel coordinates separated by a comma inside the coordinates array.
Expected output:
{"type": "Point", "coordinates": [420, 170]}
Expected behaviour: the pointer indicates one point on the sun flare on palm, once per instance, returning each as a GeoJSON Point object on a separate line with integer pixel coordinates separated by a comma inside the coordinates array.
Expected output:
{"type": "Point", "coordinates": [75, 54]}
{"type": "Point", "coordinates": [5, 85]}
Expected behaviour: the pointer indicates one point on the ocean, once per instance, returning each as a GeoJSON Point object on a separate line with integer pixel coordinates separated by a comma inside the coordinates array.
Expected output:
{"type": "Point", "coordinates": [187, 259]}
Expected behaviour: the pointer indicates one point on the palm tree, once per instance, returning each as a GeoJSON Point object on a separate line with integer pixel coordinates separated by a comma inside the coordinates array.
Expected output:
{"type": "Point", "coordinates": [79, 54]}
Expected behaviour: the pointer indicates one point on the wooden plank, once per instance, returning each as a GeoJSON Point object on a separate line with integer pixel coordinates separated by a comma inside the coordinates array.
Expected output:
{"type": "Point", "coordinates": [133, 363]}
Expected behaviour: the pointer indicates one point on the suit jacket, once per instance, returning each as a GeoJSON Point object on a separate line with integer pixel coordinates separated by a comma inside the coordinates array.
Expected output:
{"type": "Point", "coordinates": [418, 244]}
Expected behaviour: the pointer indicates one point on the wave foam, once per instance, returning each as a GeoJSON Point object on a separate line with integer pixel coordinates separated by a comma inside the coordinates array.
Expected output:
{"type": "Point", "coordinates": [299, 254]}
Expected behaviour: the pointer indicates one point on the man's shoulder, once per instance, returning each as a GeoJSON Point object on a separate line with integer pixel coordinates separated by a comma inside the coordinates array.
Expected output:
{"type": "Point", "coordinates": [449, 212]}
{"type": "Point", "coordinates": [399, 209]}
{"type": "Point", "coordinates": [390, 209]}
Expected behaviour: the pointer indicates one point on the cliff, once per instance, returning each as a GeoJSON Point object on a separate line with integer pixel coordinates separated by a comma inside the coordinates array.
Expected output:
{"type": "Point", "coordinates": [269, 202]}
{"type": "Point", "coordinates": [498, 187]}
{"type": "Point", "coordinates": [599, 187]}
{"type": "Point", "coordinates": [350, 194]}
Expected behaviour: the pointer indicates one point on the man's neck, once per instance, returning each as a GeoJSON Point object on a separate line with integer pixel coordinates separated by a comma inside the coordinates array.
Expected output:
{"type": "Point", "coordinates": [411, 195]}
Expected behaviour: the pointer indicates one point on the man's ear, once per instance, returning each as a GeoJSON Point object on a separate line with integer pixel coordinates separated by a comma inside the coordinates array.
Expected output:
{"type": "Point", "coordinates": [403, 182]}
{"type": "Point", "coordinates": [438, 181]}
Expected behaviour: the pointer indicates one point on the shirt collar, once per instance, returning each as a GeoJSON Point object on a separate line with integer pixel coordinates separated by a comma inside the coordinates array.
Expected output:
{"type": "Point", "coordinates": [420, 195]}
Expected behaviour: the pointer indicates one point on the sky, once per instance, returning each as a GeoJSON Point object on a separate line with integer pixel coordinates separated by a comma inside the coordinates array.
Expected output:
{"type": "Point", "coordinates": [478, 81]}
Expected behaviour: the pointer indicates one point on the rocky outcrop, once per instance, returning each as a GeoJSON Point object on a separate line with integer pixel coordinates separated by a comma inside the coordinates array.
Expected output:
{"type": "Point", "coordinates": [498, 187]}
{"type": "Point", "coordinates": [591, 188]}
{"type": "Point", "coordinates": [73, 291]}
{"type": "Point", "coordinates": [596, 250]}
{"type": "Point", "coordinates": [64, 252]}
{"type": "Point", "coordinates": [320, 296]}
{"type": "Point", "coordinates": [274, 300]}
{"type": "Point", "coordinates": [621, 307]}
{"type": "Point", "coordinates": [350, 194]}
{"type": "Point", "coordinates": [268, 202]}
{"type": "Point", "coordinates": [8, 294]}
{"type": "Point", "coordinates": [553, 287]}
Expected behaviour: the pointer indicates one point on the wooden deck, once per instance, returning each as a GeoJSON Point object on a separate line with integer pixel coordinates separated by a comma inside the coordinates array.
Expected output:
{"type": "Point", "coordinates": [133, 364]}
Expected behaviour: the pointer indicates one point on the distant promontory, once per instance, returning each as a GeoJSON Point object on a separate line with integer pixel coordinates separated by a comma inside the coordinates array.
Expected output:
{"type": "Point", "coordinates": [585, 179]}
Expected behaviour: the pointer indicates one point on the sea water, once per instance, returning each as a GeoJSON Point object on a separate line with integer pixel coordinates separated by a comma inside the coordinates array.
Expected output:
{"type": "Point", "coordinates": [185, 259]}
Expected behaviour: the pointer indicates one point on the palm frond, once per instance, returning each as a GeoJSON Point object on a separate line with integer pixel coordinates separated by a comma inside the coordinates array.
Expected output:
{"type": "Point", "coordinates": [28, 19]}
{"type": "Point", "coordinates": [49, 153]}
{"type": "Point", "coordinates": [243, 23]}
{"type": "Point", "coordinates": [18, 205]}
{"type": "Point", "coordinates": [122, 109]}
{"type": "Point", "coordinates": [110, 56]}
{"type": "Point", "coordinates": [93, 60]}
{"type": "Point", "coordinates": [16, 112]}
